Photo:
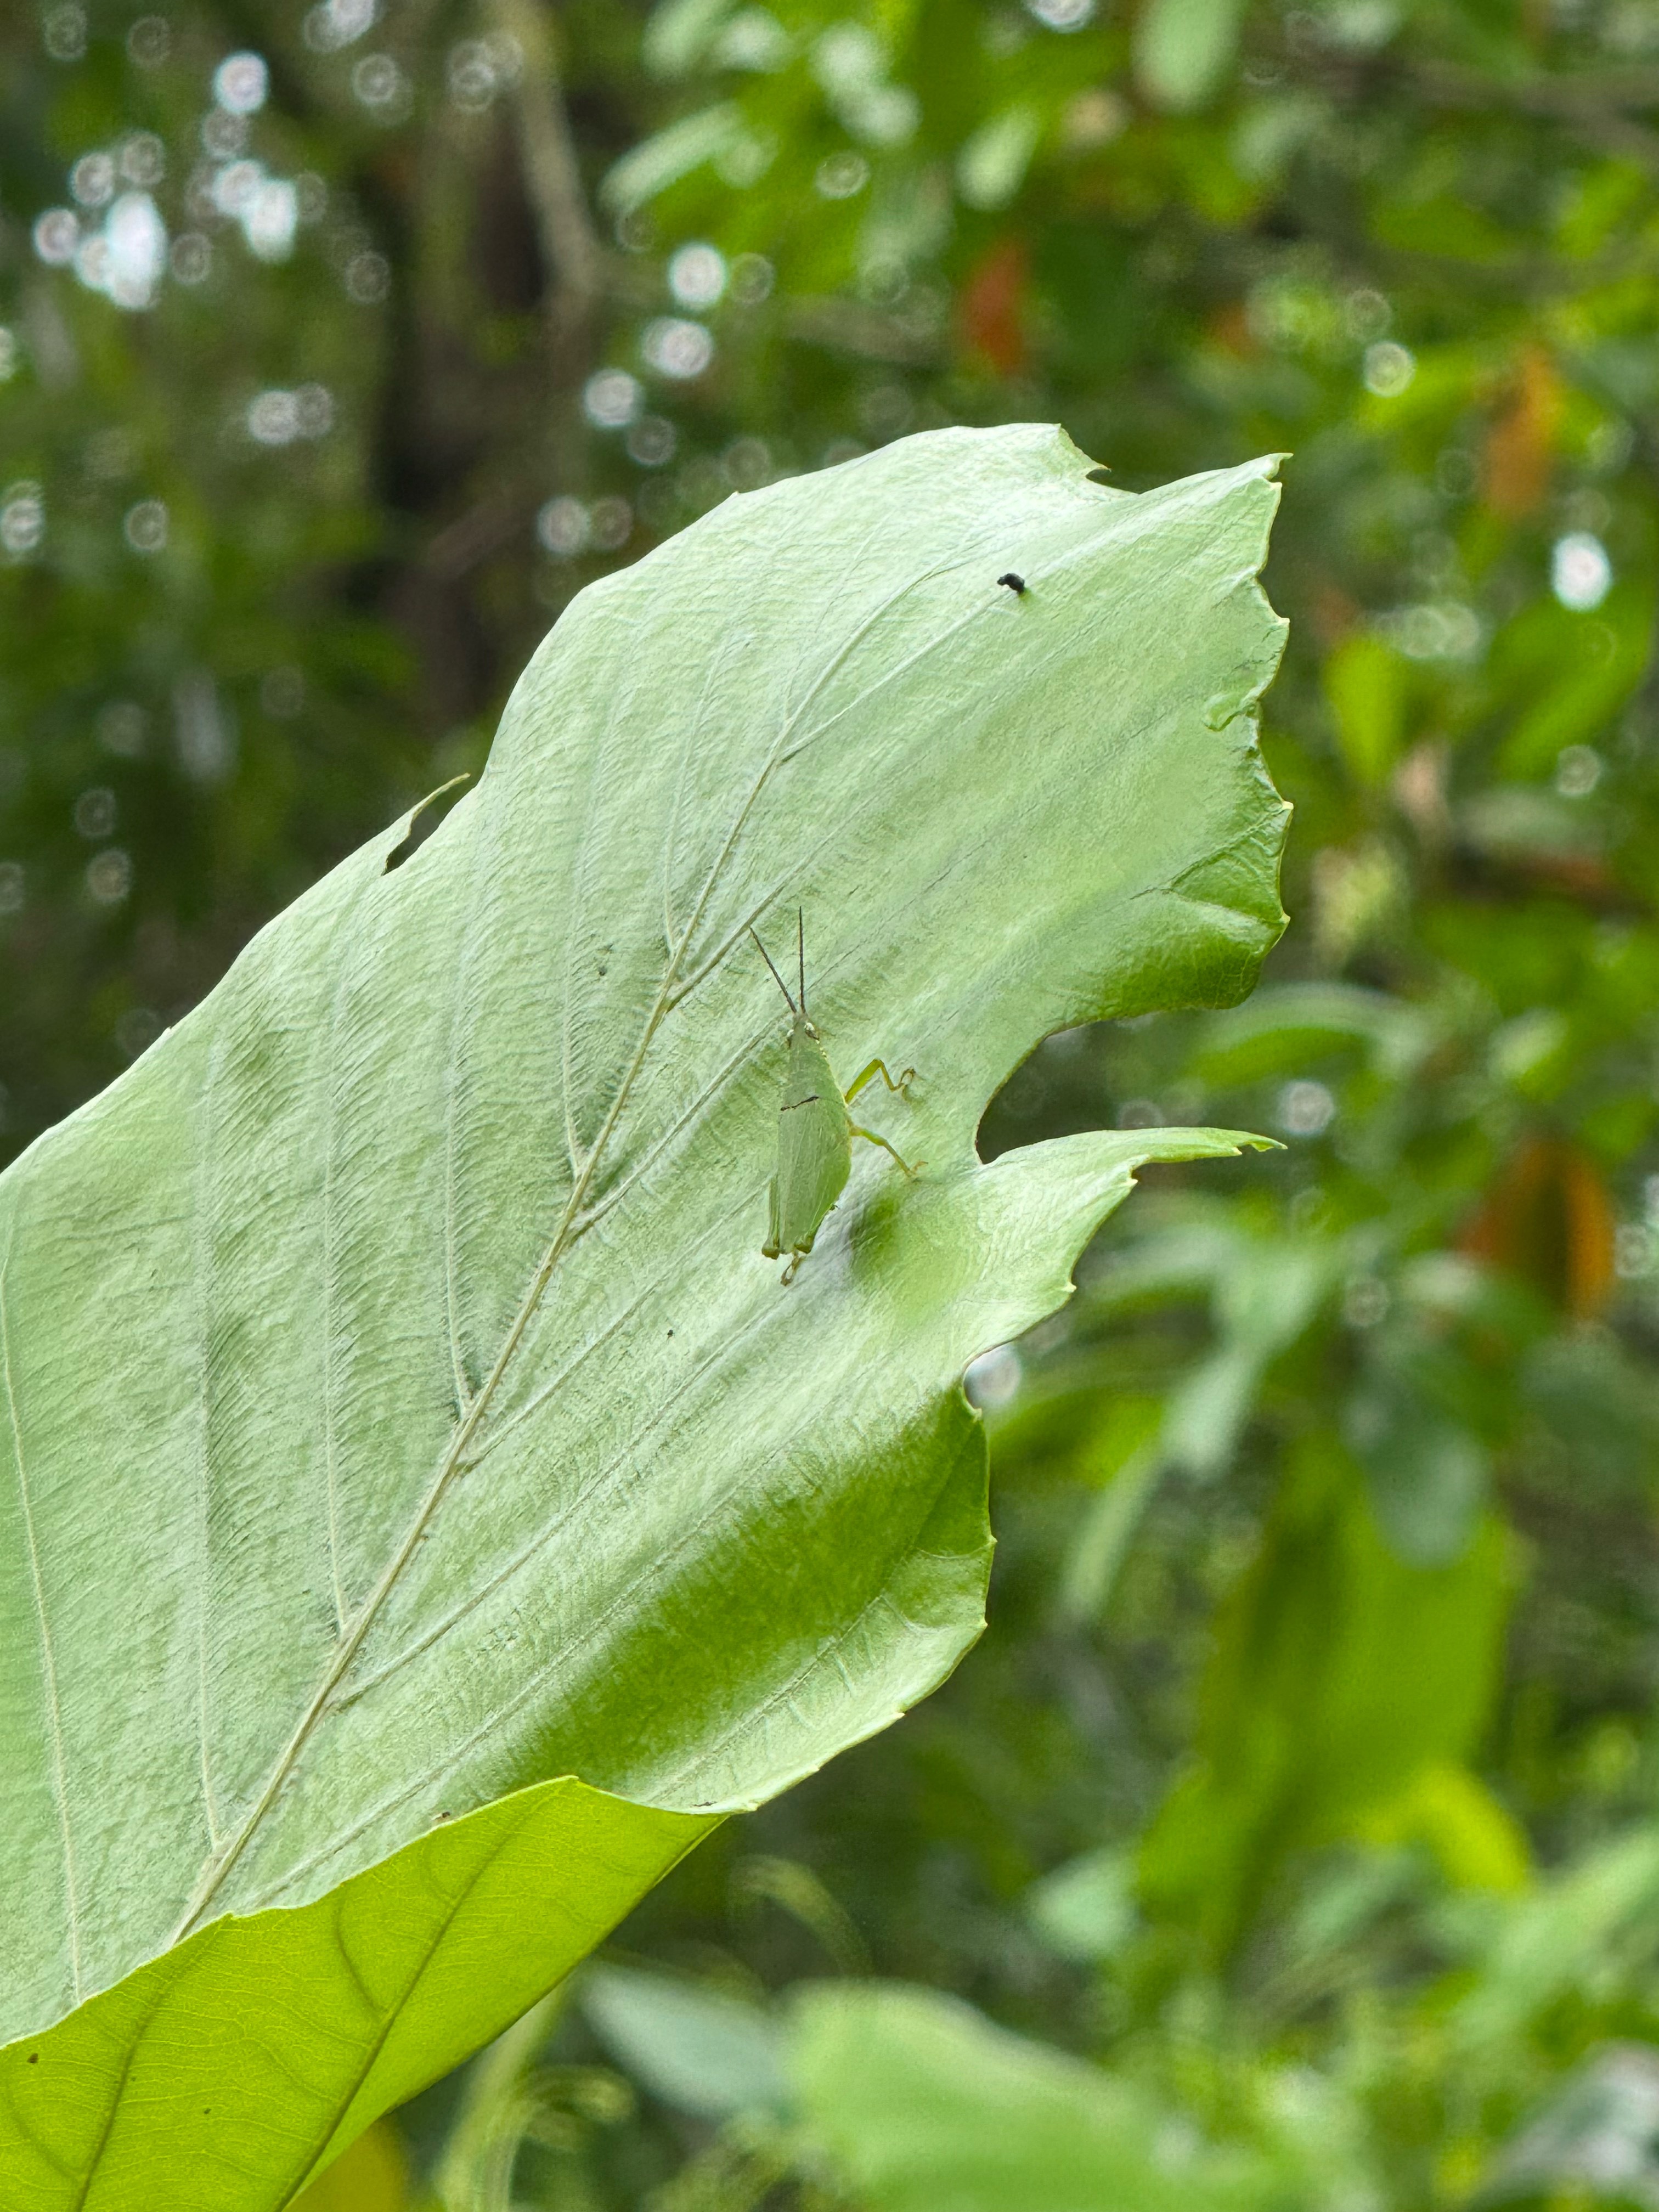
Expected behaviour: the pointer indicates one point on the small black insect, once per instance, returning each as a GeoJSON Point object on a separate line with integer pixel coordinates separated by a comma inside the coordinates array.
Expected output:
{"type": "Point", "coordinates": [1015, 584]}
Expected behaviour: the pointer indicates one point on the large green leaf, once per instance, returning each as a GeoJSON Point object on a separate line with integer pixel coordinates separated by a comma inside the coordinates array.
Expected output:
{"type": "Point", "coordinates": [1344, 1684]}
{"type": "Point", "coordinates": [919, 2104]}
{"type": "Point", "coordinates": [397, 1410]}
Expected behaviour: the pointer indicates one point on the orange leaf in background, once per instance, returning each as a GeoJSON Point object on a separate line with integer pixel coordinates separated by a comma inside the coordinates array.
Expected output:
{"type": "Point", "coordinates": [1419, 789]}
{"type": "Point", "coordinates": [1520, 450]}
{"type": "Point", "coordinates": [993, 307]}
{"type": "Point", "coordinates": [1333, 612]}
{"type": "Point", "coordinates": [1546, 1217]}
{"type": "Point", "coordinates": [1229, 327]}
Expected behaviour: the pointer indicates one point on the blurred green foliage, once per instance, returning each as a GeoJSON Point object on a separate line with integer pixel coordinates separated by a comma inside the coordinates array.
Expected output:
{"type": "Point", "coordinates": [1305, 1781]}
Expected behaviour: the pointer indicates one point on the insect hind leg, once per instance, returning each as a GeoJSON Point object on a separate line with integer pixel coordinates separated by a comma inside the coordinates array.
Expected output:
{"type": "Point", "coordinates": [870, 1137]}
{"type": "Point", "coordinates": [879, 1067]}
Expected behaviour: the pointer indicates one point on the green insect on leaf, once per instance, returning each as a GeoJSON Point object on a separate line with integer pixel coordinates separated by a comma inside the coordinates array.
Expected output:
{"type": "Point", "coordinates": [815, 1130]}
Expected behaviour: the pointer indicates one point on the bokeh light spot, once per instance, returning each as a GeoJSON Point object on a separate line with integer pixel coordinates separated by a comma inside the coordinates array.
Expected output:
{"type": "Point", "coordinates": [368, 278]}
{"type": "Point", "coordinates": [270, 219]}
{"type": "Point", "coordinates": [381, 86]}
{"type": "Point", "coordinates": [95, 814]}
{"type": "Point", "coordinates": [1305, 1109]}
{"type": "Point", "coordinates": [137, 239]}
{"type": "Point", "coordinates": [63, 32]}
{"type": "Point", "coordinates": [109, 876]}
{"type": "Point", "coordinates": [1062, 15]}
{"type": "Point", "coordinates": [651, 441]}
{"type": "Point", "coordinates": [1389, 368]}
{"type": "Point", "coordinates": [1577, 771]}
{"type": "Point", "coordinates": [23, 520]}
{"type": "Point", "coordinates": [752, 279]}
{"type": "Point", "coordinates": [839, 176]}
{"type": "Point", "coordinates": [150, 41]}
{"type": "Point", "coordinates": [241, 83]}
{"type": "Point", "coordinates": [337, 23]}
{"type": "Point", "coordinates": [277, 417]}
{"type": "Point", "coordinates": [142, 158]}
{"type": "Point", "coordinates": [223, 134]}
{"type": "Point", "coordinates": [611, 398]}
{"type": "Point", "coordinates": [92, 181]}
{"type": "Point", "coordinates": [696, 275]}
{"type": "Point", "coordinates": [56, 234]}
{"type": "Point", "coordinates": [192, 257]}
{"type": "Point", "coordinates": [563, 527]}
{"type": "Point", "coordinates": [1580, 575]}
{"type": "Point", "coordinates": [144, 525]}
{"type": "Point", "coordinates": [612, 524]}
{"type": "Point", "coordinates": [676, 347]}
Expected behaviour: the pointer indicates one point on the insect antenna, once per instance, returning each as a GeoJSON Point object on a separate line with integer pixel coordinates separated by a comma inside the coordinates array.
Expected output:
{"type": "Point", "coordinates": [801, 948]}
{"type": "Point", "coordinates": [777, 978]}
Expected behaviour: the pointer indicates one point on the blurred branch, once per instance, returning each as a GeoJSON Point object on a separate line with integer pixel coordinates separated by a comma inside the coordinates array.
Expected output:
{"type": "Point", "coordinates": [570, 246]}
{"type": "Point", "coordinates": [1596, 102]}
{"type": "Point", "coordinates": [1578, 93]}
{"type": "Point", "coordinates": [849, 326]}
{"type": "Point", "coordinates": [1600, 105]}
{"type": "Point", "coordinates": [473, 537]}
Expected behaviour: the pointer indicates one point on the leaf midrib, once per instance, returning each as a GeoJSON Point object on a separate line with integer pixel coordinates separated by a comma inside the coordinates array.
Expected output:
{"type": "Point", "coordinates": [218, 1869]}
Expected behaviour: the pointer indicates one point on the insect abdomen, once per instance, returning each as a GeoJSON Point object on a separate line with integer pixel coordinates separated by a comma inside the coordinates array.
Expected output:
{"type": "Point", "coordinates": [815, 1146]}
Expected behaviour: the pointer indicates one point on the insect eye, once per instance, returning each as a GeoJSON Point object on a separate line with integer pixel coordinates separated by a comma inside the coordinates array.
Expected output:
{"type": "Point", "coordinates": [1015, 584]}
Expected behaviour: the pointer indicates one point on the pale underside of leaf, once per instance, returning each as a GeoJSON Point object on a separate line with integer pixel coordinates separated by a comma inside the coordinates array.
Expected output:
{"type": "Point", "coordinates": [398, 1409]}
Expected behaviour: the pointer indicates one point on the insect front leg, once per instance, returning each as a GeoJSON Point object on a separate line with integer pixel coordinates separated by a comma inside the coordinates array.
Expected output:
{"type": "Point", "coordinates": [771, 1246]}
{"type": "Point", "coordinates": [871, 1138]}
{"type": "Point", "coordinates": [879, 1067]}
